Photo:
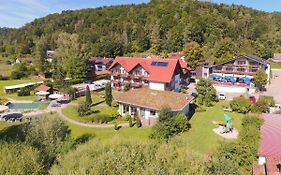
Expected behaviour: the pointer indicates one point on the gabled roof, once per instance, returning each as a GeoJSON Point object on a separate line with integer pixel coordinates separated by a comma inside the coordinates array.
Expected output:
{"type": "Point", "coordinates": [270, 144]}
{"type": "Point", "coordinates": [42, 88]}
{"type": "Point", "coordinates": [251, 57]}
{"type": "Point", "coordinates": [101, 60]}
{"type": "Point", "coordinates": [153, 99]}
{"type": "Point", "coordinates": [156, 73]}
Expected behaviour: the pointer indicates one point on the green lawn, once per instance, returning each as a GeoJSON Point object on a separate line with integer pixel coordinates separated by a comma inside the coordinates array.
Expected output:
{"type": "Point", "coordinates": [201, 138]}
{"type": "Point", "coordinates": [4, 124]}
{"type": "Point", "coordinates": [71, 112]}
{"type": "Point", "coordinates": [96, 98]}
{"type": "Point", "coordinates": [4, 83]}
{"type": "Point", "coordinates": [276, 65]}
{"type": "Point", "coordinates": [109, 133]}
{"type": "Point", "coordinates": [44, 106]}
{"type": "Point", "coordinates": [5, 69]}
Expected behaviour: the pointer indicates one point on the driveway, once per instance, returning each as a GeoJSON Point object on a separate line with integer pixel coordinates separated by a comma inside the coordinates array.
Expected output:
{"type": "Point", "coordinates": [274, 89]}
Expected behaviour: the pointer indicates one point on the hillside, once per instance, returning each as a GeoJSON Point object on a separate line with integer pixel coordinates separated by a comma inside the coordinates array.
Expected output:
{"type": "Point", "coordinates": [159, 26]}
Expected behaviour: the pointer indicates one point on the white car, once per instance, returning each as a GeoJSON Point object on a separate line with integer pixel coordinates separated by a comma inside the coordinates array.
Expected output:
{"type": "Point", "coordinates": [222, 96]}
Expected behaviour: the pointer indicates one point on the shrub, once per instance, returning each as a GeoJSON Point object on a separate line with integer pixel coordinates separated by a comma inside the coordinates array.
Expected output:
{"type": "Point", "coordinates": [240, 104]}
{"type": "Point", "coordinates": [200, 109]}
{"type": "Point", "coordinates": [22, 70]}
{"type": "Point", "coordinates": [263, 104]}
{"type": "Point", "coordinates": [84, 109]}
{"type": "Point", "coordinates": [138, 122]}
{"type": "Point", "coordinates": [24, 92]}
{"type": "Point", "coordinates": [114, 104]}
{"type": "Point", "coordinates": [102, 118]}
{"type": "Point", "coordinates": [183, 90]}
{"type": "Point", "coordinates": [75, 81]}
{"type": "Point", "coordinates": [169, 128]}
{"type": "Point", "coordinates": [130, 120]}
{"type": "Point", "coordinates": [126, 87]}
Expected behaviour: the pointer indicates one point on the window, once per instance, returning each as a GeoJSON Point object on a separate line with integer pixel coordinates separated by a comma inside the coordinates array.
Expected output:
{"type": "Point", "coordinates": [160, 64]}
{"type": "Point", "coordinates": [241, 70]}
{"type": "Point", "coordinates": [229, 69]}
{"type": "Point", "coordinates": [152, 113]}
{"type": "Point", "coordinates": [254, 70]}
{"type": "Point", "coordinates": [241, 62]}
{"type": "Point", "coordinates": [254, 63]}
{"type": "Point", "coordinates": [125, 109]}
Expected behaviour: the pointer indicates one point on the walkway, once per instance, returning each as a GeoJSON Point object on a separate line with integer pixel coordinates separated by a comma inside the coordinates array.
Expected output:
{"type": "Point", "coordinates": [59, 111]}
{"type": "Point", "coordinates": [229, 135]}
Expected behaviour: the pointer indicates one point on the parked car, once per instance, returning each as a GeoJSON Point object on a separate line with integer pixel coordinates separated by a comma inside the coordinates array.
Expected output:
{"type": "Point", "coordinates": [88, 82]}
{"type": "Point", "coordinates": [252, 99]}
{"type": "Point", "coordinates": [222, 96]}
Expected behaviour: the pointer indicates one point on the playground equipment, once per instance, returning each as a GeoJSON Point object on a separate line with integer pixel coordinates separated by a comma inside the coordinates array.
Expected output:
{"type": "Point", "coordinates": [228, 127]}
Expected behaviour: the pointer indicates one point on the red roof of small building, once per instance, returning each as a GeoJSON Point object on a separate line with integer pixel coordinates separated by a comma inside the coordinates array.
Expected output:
{"type": "Point", "coordinates": [156, 73]}
{"type": "Point", "coordinates": [42, 88]}
{"type": "Point", "coordinates": [102, 72]}
{"type": "Point", "coordinates": [270, 144]}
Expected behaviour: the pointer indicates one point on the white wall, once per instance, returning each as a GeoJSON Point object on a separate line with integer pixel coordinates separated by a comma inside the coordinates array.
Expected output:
{"type": "Point", "coordinates": [177, 82]}
{"type": "Point", "coordinates": [157, 86]}
{"type": "Point", "coordinates": [230, 89]}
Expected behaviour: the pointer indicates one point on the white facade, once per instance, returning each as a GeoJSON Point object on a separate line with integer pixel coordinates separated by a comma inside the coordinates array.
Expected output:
{"type": "Point", "coordinates": [156, 86]}
{"type": "Point", "coordinates": [148, 116]}
{"type": "Point", "coordinates": [234, 89]}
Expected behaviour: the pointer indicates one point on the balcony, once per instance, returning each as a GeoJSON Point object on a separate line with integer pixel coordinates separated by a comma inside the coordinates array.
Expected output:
{"type": "Point", "coordinates": [234, 72]}
{"type": "Point", "coordinates": [117, 81]}
{"type": "Point", "coordinates": [137, 77]}
{"type": "Point", "coordinates": [116, 74]}
{"type": "Point", "coordinates": [125, 75]}
{"type": "Point", "coordinates": [137, 85]}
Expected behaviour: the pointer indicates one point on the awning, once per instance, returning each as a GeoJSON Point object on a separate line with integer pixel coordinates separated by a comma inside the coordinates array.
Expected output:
{"type": "Point", "coordinates": [3, 108]}
{"type": "Point", "coordinates": [230, 78]}
{"type": "Point", "coordinates": [42, 93]}
{"type": "Point", "coordinates": [246, 80]}
{"type": "Point", "coordinates": [214, 76]}
{"type": "Point", "coordinates": [55, 96]}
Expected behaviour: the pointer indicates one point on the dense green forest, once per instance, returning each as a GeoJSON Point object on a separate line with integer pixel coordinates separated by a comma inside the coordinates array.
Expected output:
{"type": "Point", "coordinates": [159, 27]}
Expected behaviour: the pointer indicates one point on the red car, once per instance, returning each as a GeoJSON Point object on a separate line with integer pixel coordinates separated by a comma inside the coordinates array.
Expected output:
{"type": "Point", "coordinates": [252, 99]}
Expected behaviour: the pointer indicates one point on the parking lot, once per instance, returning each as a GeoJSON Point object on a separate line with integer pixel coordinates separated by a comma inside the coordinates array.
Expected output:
{"type": "Point", "coordinates": [96, 85]}
{"type": "Point", "coordinates": [274, 89]}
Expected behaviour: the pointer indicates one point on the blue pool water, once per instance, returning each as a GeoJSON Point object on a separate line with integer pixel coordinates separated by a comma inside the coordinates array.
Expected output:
{"type": "Point", "coordinates": [23, 106]}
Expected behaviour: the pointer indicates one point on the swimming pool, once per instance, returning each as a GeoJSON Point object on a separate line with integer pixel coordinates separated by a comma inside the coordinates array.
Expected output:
{"type": "Point", "coordinates": [24, 106]}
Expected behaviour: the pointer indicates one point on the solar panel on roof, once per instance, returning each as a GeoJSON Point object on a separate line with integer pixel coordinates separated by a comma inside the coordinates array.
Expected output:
{"type": "Point", "coordinates": [160, 64]}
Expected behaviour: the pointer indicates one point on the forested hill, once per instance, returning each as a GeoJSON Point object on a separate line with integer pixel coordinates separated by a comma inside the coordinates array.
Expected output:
{"type": "Point", "coordinates": [159, 27]}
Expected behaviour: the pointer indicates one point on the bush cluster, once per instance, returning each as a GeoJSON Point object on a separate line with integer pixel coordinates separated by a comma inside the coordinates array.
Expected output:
{"type": "Point", "coordinates": [22, 70]}
{"type": "Point", "coordinates": [240, 104]}
{"type": "Point", "coordinates": [24, 92]}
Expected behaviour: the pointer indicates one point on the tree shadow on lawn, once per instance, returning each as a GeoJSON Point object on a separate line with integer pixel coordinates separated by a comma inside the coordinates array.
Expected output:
{"type": "Point", "coordinates": [13, 133]}
{"type": "Point", "coordinates": [82, 139]}
{"type": "Point", "coordinates": [192, 109]}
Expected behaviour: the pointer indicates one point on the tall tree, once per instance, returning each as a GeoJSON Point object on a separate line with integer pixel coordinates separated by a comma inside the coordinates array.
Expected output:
{"type": "Point", "coordinates": [260, 79]}
{"type": "Point", "coordinates": [58, 74]}
{"type": "Point", "coordinates": [206, 92]}
{"type": "Point", "coordinates": [108, 94]}
{"type": "Point", "coordinates": [40, 54]}
{"type": "Point", "coordinates": [193, 54]}
{"type": "Point", "coordinates": [88, 96]}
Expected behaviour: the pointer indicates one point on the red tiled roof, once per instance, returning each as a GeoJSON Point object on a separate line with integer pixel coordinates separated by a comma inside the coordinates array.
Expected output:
{"type": "Point", "coordinates": [42, 88]}
{"type": "Point", "coordinates": [102, 72]}
{"type": "Point", "coordinates": [271, 165]}
{"type": "Point", "coordinates": [270, 144]}
{"type": "Point", "coordinates": [156, 73]}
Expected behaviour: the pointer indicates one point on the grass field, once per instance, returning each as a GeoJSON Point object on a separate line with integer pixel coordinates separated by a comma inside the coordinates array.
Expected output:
{"type": "Point", "coordinates": [276, 65]}
{"type": "Point", "coordinates": [4, 83]}
{"type": "Point", "coordinates": [4, 124]}
{"type": "Point", "coordinates": [109, 133]}
{"type": "Point", "coordinates": [201, 138]}
{"type": "Point", "coordinates": [71, 112]}
{"type": "Point", "coordinates": [5, 69]}
{"type": "Point", "coordinates": [96, 98]}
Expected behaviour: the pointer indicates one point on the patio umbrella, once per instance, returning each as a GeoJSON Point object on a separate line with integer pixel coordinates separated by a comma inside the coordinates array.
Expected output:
{"type": "Point", "coordinates": [42, 93]}
{"type": "Point", "coordinates": [3, 108]}
{"type": "Point", "coordinates": [55, 96]}
{"type": "Point", "coordinates": [226, 118]}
